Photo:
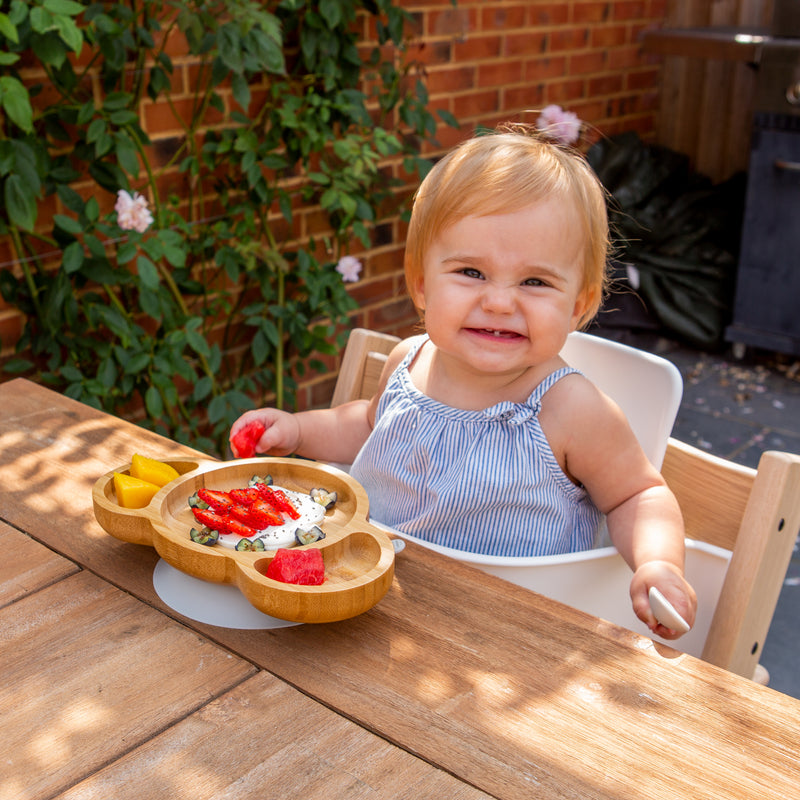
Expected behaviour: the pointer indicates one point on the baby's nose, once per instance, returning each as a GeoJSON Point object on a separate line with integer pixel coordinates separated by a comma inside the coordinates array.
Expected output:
{"type": "Point", "coordinates": [498, 298]}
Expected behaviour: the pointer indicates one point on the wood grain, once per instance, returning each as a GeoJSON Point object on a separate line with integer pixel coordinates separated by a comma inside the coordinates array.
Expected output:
{"type": "Point", "coordinates": [89, 672]}
{"type": "Point", "coordinates": [264, 739]}
{"type": "Point", "coordinates": [513, 693]}
{"type": "Point", "coordinates": [27, 565]}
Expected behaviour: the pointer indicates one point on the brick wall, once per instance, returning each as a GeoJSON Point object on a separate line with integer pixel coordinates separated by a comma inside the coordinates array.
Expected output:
{"type": "Point", "coordinates": [486, 62]}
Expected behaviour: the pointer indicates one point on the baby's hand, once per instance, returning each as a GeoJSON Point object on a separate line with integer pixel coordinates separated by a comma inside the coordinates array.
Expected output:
{"type": "Point", "coordinates": [668, 579]}
{"type": "Point", "coordinates": [280, 436]}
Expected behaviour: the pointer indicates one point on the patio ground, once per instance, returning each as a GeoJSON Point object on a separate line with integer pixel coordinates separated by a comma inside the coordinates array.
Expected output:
{"type": "Point", "coordinates": [737, 409]}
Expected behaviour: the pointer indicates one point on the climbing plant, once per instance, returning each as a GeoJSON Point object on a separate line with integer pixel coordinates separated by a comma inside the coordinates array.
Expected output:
{"type": "Point", "coordinates": [177, 284]}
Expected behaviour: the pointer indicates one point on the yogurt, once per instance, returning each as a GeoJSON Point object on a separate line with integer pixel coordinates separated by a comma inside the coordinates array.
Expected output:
{"type": "Point", "coordinates": [275, 536]}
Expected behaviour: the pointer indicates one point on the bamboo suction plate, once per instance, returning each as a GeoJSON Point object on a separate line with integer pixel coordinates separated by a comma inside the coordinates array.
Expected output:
{"type": "Point", "coordinates": [358, 557]}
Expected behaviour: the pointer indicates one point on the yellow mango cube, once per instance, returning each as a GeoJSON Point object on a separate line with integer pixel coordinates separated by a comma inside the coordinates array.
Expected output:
{"type": "Point", "coordinates": [133, 492]}
{"type": "Point", "coordinates": [152, 471]}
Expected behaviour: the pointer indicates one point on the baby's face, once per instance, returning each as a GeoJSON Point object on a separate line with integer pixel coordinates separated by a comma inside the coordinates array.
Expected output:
{"type": "Point", "coordinates": [502, 292]}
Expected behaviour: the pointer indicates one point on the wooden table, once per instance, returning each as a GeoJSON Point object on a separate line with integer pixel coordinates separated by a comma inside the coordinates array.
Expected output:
{"type": "Point", "coordinates": [456, 685]}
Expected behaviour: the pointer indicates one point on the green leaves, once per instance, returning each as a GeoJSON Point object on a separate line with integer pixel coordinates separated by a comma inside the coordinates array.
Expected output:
{"type": "Point", "coordinates": [15, 103]}
{"type": "Point", "coordinates": [219, 304]}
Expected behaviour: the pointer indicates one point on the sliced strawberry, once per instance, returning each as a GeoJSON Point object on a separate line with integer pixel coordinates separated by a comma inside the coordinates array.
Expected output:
{"type": "Point", "coordinates": [244, 442]}
{"type": "Point", "coordinates": [211, 519]}
{"type": "Point", "coordinates": [218, 500]}
{"type": "Point", "coordinates": [244, 497]}
{"type": "Point", "coordinates": [258, 515]}
{"type": "Point", "coordinates": [233, 525]}
{"type": "Point", "coordinates": [278, 500]}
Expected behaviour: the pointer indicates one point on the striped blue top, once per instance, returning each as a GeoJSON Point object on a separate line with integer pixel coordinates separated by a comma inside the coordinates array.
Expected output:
{"type": "Point", "coordinates": [478, 481]}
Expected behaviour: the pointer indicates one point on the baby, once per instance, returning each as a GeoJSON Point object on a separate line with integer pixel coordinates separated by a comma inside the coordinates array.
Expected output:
{"type": "Point", "coordinates": [481, 437]}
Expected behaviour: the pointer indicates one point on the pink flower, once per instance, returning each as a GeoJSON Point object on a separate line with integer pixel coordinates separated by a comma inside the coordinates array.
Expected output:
{"type": "Point", "coordinates": [132, 212]}
{"type": "Point", "coordinates": [349, 267]}
{"type": "Point", "coordinates": [563, 126]}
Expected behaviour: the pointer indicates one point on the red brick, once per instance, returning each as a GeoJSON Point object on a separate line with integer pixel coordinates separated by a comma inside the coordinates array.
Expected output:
{"type": "Point", "coordinates": [568, 39]}
{"type": "Point", "coordinates": [506, 17]}
{"type": "Point", "coordinates": [502, 73]}
{"type": "Point", "coordinates": [477, 48]}
{"type": "Point", "coordinates": [590, 12]}
{"type": "Point", "coordinates": [590, 61]}
{"type": "Point", "coordinates": [455, 23]}
{"type": "Point", "coordinates": [621, 58]}
{"type": "Point", "coordinates": [629, 9]}
{"type": "Point", "coordinates": [565, 92]}
{"type": "Point", "coordinates": [530, 96]}
{"type": "Point", "coordinates": [440, 52]}
{"type": "Point", "coordinates": [525, 44]}
{"type": "Point", "coordinates": [548, 14]}
{"type": "Point", "coordinates": [604, 36]}
{"type": "Point", "coordinates": [451, 79]}
{"type": "Point", "coordinates": [605, 84]}
{"type": "Point", "coordinates": [545, 68]}
{"type": "Point", "coordinates": [476, 103]}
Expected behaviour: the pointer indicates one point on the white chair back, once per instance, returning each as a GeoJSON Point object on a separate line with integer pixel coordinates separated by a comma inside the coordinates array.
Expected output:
{"type": "Point", "coordinates": [647, 388]}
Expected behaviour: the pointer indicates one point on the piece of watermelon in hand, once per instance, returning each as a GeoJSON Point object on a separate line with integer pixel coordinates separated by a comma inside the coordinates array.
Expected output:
{"type": "Point", "coordinates": [244, 442]}
{"type": "Point", "coordinates": [302, 567]}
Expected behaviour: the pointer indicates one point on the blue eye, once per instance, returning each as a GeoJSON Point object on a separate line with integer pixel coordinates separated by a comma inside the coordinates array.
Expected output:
{"type": "Point", "coordinates": [533, 282]}
{"type": "Point", "coordinates": [472, 273]}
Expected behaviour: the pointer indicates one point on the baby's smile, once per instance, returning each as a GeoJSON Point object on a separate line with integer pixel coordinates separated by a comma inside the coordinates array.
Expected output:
{"type": "Point", "coordinates": [496, 333]}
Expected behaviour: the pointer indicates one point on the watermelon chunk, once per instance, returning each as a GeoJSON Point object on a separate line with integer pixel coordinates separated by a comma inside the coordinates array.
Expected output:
{"type": "Point", "coordinates": [244, 442]}
{"type": "Point", "coordinates": [302, 567]}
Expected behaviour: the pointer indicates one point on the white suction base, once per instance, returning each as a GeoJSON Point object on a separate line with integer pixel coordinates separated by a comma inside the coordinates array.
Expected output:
{"type": "Point", "coordinates": [212, 603]}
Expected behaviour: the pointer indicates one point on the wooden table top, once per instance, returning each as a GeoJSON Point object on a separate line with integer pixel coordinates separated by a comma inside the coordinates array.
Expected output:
{"type": "Point", "coordinates": [456, 685]}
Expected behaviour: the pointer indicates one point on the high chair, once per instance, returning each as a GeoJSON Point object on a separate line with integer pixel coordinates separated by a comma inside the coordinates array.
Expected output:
{"type": "Point", "coordinates": [741, 523]}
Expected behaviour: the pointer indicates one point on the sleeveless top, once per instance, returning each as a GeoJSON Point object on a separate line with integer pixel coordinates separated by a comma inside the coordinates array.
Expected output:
{"type": "Point", "coordinates": [478, 481]}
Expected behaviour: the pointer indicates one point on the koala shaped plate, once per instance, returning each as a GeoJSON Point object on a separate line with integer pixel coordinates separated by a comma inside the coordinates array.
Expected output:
{"type": "Point", "coordinates": [358, 557]}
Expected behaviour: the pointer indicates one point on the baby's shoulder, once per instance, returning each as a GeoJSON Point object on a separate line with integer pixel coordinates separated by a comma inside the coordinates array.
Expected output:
{"type": "Point", "coordinates": [401, 350]}
{"type": "Point", "coordinates": [575, 400]}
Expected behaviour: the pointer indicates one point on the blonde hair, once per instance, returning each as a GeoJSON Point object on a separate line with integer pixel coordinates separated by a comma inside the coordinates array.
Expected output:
{"type": "Point", "coordinates": [503, 172]}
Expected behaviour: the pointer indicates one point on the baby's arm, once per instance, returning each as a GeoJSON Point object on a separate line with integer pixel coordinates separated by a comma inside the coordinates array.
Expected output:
{"type": "Point", "coordinates": [330, 434]}
{"type": "Point", "coordinates": [644, 520]}
{"type": "Point", "coordinates": [647, 529]}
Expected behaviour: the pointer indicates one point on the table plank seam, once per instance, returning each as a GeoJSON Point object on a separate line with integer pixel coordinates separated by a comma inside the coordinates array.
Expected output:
{"type": "Point", "coordinates": [99, 767]}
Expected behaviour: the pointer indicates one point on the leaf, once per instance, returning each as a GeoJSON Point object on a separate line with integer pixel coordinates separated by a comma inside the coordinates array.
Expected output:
{"type": "Point", "coordinates": [16, 103]}
{"type": "Point", "coordinates": [153, 402]}
{"type": "Point", "coordinates": [136, 363]}
{"type": "Point", "coordinates": [107, 374]}
{"type": "Point", "coordinates": [95, 130]}
{"type": "Point", "coordinates": [70, 33]}
{"type": "Point", "coordinates": [331, 12]}
{"type": "Point", "coordinates": [448, 118]}
{"type": "Point", "coordinates": [73, 257]}
{"type": "Point", "coordinates": [8, 29]}
{"type": "Point", "coordinates": [148, 272]}
{"type": "Point", "coordinates": [230, 48]}
{"type": "Point", "coordinates": [67, 7]}
{"type": "Point", "coordinates": [127, 155]}
{"type": "Point", "coordinates": [20, 203]}
{"type": "Point", "coordinates": [67, 224]}
{"type": "Point", "coordinates": [202, 388]}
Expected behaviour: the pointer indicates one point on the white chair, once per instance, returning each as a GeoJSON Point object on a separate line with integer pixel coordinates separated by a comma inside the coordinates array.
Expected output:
{"type": "Point", "coordinates": [741, 523]}
{"type": "Point", "coordinates": [646, 387]}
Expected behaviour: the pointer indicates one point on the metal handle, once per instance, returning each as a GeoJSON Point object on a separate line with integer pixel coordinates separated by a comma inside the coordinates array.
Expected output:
{"type": "Point", "coordinates": [788, 166]}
